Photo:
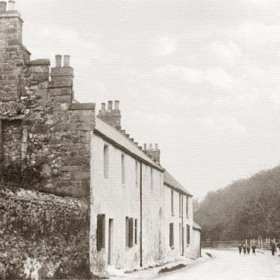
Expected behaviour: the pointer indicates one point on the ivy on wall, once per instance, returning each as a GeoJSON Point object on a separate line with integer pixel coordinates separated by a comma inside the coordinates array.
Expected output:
{"type": "Point", "coordinates": [42, 233]}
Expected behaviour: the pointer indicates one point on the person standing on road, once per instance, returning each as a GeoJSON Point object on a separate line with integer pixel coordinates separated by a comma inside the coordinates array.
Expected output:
{"type": "Point", "coordinates": [248, 249]}
{"type": "Point", "coordinates": [244, 249]}
{"type": "Point", "coordinates": [278, 249]}
{"type": "Point", "coordinates": [254, 249]}
{"type": "Point", "coordinates": [240, 248]}
{"type": "Point", "coordinates": [273, 247]}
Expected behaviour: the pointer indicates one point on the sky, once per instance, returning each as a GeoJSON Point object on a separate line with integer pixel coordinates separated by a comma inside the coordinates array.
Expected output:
{"type": "Point", "coordinates": [198, 77]}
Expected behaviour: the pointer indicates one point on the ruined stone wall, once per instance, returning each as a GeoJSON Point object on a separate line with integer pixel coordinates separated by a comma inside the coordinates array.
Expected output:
{"type": "Point", "coordinates": [38, 121]}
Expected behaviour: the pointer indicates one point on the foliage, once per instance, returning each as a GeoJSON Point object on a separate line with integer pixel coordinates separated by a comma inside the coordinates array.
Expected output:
{"type": "Point", "coordinates": [42, 232]}
{"type": "Point", "coordinates": [245, 209]}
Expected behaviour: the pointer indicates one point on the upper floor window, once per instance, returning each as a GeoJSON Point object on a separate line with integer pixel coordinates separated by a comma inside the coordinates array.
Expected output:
{"type": "Point", "coordinates": [106, 161]}
{"type": "Point", "coordinates": [187, 206]}
{"type": "Point", "coordinates": [152, 179]}
{"type": "Point", "coordinates": [181, 205]}
{"type": "Point", "coordinates": [172, 202]}
{"type": "Point", "coordinates": [136, 174]}
{"type": "Point", "coordinates": [123, 169]}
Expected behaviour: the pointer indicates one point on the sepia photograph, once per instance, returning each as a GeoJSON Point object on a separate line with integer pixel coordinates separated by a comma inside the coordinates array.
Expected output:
{"type": "Point", "coordinates": [139, 139]}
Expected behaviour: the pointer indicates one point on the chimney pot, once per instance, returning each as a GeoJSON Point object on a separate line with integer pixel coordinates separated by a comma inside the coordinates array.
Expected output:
{"type": "Point", "coordinates": [110, 105]}
{"type": "Point", "coordinates": [117, 105]}
{"type": "Point", "coordinates": [145, 147]}
{"type": "Point", "coordinates": [151, 147]}
{"type": "Point", "coordinates": [58, 58]}
{"type": "Point", "coordinates": [103, 107]}
{"type": "Point", "coordinates": [66, 60]}
{"type": "Point", "coordinates": [3, 6]}
{"type": "Point", "coordinates": [156, 147]}
{"type": "Point", "coordinates": [12, 5]}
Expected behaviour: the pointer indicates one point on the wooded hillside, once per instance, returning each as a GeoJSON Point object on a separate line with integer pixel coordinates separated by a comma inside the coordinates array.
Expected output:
{"type": "Point", "coordinates": [245, 209]}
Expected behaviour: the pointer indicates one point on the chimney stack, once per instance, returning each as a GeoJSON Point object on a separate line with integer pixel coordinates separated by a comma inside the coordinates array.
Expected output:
{"type": "Point", "coordinates": [3, 7]}
{"type": "Point", "coordinates": [154, 153]}
{"type": "Point", "coordinates": [62, 77]}
{"type": "Point", "coordinates": [111, 116]}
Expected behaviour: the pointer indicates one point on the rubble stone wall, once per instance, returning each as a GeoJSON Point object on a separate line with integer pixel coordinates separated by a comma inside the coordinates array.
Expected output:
{"type": "Point", "coordinates": [42, 234]}
{"type": "Point", "coordinates": [38, 120]}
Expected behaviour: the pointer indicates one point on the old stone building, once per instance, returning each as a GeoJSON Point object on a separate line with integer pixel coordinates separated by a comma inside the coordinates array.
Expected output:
{"type": "Point", "coordinates": [117, 205]}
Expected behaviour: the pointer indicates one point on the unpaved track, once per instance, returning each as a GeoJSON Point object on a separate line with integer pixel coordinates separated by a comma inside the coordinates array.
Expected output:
{"type": "Point", "coordinates": [228, 264]}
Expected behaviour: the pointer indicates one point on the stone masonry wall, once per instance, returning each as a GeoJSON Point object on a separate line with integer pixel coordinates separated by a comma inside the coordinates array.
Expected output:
{"type": "Point", "coordinates": [38, 121]}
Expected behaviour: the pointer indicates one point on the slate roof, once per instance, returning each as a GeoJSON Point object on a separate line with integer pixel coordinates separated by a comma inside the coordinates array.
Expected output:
{"type": "Point", "coordinates": [170, 181]}
{"type": "Point", "coordinates": [120, 140]}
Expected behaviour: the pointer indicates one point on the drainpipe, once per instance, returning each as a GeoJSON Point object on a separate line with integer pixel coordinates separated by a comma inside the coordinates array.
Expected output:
{"type": "Point", "coordinates": [183, 244]}
{"type": "Point", "coordinates": [141, 215]}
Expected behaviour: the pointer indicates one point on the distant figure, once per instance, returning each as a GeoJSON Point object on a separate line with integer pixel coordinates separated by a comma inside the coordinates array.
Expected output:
{"type": "Point", "coordinates": [244, 249]}
{"type": "Point", "coordinates": [240, 248]}
{"type": "Point", "coordinates": [254, 249]}
{"type": "Point", "coordinates": [248, 249]}
{"type": "Point", "coordinates": [278, 249]}
{"type": "Point", "coordinates": [273, 248]}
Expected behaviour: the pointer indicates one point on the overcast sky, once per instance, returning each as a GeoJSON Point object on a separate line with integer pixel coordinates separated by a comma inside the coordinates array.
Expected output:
{"type": "Point", "coordinates": [198, 77]}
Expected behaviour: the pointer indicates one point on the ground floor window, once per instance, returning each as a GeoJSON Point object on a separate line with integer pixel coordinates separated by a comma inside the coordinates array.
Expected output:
{"type": "Point", "coordinates": [171, 235]}
{"type": "Point", "coordinates": [100, 234]}
{"type": "Point", "coordinates": [135, 231]}
{"type": "Point", "coordinates": [129, 228]}
{"type": "Point", "coordinates": [188, 233]}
